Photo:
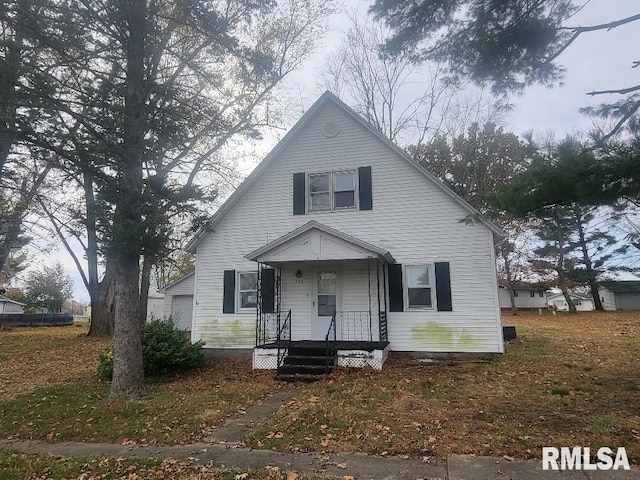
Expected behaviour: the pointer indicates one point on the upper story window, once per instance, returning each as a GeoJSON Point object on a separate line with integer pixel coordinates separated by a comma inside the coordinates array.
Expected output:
{"type": "Point", "coordinates": [338, 190]}
{"type": "Point", "coordinates": [418, 286]}
{"type": "Point", "coordinates": [533, 293]}
{"type": "Point", "coordinates": [332, 191]}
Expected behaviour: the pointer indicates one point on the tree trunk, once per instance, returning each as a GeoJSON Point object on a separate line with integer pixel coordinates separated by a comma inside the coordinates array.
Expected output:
{"type": "Point", "coordinates": [127, 240]}
{"type": "Point", "coordinates": [103, 295]}
{"type": "Point", "coordinates": [145, 283]}
{"type": "Point", "coordinates": [128, 368]}
{"type": "Point", "coordinates": [591, 273]}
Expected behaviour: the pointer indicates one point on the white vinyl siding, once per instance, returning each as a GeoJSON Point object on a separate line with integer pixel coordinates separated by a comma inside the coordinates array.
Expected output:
{"type": "Point", "coordinates": [421, 226]}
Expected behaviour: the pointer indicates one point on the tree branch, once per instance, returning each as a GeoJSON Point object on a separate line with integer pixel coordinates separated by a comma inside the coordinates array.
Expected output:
{"type": "Point", "coordinates": [621, 91]}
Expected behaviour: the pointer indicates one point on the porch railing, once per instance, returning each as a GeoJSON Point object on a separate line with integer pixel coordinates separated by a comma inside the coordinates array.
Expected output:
{"type": "Point", "coordinates": [283, 338]}
{"type": "Point", "coordinates": [273, 327]}
{"type": "Point", "coordinates": [354, 326]}
{"type": "Point", "coordinates": [382, 326]}
{"type": "Point", "coordinates": [330, 341]}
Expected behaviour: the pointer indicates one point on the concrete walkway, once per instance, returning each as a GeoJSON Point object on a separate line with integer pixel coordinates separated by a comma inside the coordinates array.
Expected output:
{"type": "Point", "coordinates": [359, 466]}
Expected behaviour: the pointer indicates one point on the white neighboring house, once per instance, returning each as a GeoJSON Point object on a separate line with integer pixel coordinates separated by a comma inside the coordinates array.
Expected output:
{"type": "Point", "coordinates": [339, 236]}
{"type": "Point", "coordinates": [526, 296]}
{"type": "Point", "coordinates": [582, 301]}
{"type": "Point", "coordinates": [10, 306]}
{"type": "Point", "coordinates": [155, 306]}
{"type": "Point", "coordinates": [620, 294]}
{"type": "Point", "coordinates": [178, 301]}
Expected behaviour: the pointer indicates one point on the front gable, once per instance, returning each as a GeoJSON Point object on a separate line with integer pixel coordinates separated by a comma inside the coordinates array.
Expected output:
{"type": "Point", "coordinates": [352, 146]}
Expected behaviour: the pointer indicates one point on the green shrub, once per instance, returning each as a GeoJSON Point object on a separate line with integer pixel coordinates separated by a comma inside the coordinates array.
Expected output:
{"type": "Point", "coordinates": [165, 349]}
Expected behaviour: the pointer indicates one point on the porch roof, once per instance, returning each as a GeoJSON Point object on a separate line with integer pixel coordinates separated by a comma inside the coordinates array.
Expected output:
{"type": "Point", "coordinates": [314, 241]}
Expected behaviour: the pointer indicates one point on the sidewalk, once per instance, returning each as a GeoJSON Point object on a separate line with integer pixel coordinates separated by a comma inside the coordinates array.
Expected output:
{"type": "Point", "coordinates": [359, 466]}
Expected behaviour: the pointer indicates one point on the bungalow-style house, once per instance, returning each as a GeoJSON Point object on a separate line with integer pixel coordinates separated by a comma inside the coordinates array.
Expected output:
{"type": "Point", "coordinates": [338, 248]}
{"type": "Point", "coordinates": [620, 294]}
{"type": "Point", "coordinates": [527, 296]}
{"type": "Point", "coordinates": [8, 306]}
{"type": "Point", "coordinates": [582, 301]}
{"type": "Point", "coordinates": [178, 301]}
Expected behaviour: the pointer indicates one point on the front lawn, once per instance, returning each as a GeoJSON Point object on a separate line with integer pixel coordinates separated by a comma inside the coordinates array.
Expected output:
{"type": "Point", "coordinates": [566, 380]}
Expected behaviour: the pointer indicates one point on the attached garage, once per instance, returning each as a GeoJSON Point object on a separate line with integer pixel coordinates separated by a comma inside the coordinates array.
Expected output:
{"type": "Point", "coordinates": [178, 301]}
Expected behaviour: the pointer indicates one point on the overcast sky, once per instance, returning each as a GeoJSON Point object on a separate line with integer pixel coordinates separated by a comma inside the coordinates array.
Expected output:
{"type": "Point", "coordinates": [598, 60]}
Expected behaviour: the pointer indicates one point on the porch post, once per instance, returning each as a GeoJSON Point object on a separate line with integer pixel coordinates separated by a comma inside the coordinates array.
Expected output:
{"type": "Point", "coordinates": [378, 282]}
{"type": "Point", "coordinates": [369, 280]}
{"type": "Point", "coordinates": [258, 306]}
{"type": "Point", "coordinates": [384, 285]}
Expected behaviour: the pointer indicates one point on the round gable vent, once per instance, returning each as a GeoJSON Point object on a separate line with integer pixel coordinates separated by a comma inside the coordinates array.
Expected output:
{"type": "Point", "coordinates": [331, 129]}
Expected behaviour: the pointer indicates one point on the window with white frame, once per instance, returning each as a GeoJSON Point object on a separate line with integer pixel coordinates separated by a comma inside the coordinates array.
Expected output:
{"type": "Point", "coordinates": [332, 191]}
{"type": "Point", "coordinates": [418, 286]}
{"type": "Point", "coordinates": [247, 290]}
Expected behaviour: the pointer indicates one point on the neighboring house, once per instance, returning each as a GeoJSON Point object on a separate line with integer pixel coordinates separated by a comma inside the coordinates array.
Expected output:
{"type": "Point", "coordinates": [338, 240]}
{"type": "Point", "coordinates": [582, 301]}
{"type": "Point", "coordinates": [620, 294]}
{"type": "Point", "coordinates": [526, 296]}
{"type": "Point", "coordinates": [10, 306]}
{"type": "Point", "coordinates": [178, 301]}
{"type": "Point", "coordinates": [155, 306]}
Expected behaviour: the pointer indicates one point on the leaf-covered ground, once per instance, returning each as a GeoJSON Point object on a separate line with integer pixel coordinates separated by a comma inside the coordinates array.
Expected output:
{"type": "Point", "coordinates": [50, 390]}
{"type": "Point", "coordinates": [566, 380]}
{"type": "Point", "coordinates": [19, 466]}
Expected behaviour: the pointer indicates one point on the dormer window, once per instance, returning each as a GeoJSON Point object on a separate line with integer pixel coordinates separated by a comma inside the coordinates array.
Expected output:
{"type": "Point", "coordinates": [332, 191]}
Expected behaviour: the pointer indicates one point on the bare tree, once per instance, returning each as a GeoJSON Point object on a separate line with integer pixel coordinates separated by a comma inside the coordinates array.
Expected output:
{"type": "Point", "coordinates": [408, 103]}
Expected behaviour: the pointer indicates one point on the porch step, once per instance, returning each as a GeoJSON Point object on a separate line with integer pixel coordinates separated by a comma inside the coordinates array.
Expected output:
{"type": "Point", "coordinates": [308, 360]}
{"type": "Point", "coordinates": [307, 363]}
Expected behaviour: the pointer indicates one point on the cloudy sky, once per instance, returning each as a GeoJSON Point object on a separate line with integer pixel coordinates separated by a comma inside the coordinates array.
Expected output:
{"type": "Point", "coordinates": [598, 60]}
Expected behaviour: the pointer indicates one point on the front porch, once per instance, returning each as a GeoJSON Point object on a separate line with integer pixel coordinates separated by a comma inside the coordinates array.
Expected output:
{"type": "Point", "coordinates": [321, 299]}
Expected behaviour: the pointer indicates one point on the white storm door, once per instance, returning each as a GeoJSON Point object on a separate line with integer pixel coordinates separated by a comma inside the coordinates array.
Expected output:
{"type": "Point", "coordinates": [326, 300]}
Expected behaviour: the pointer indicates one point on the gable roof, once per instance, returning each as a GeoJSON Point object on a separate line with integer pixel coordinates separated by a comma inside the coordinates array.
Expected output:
{"type": "Point", "coordinates": [175, 282]}
{"type": "Point", "coordinates": [367, 249]}
{"type": "Point", "coordinates": [621, 286]}
{"type": "Point", "coordinates": [8, 300]}
{"type": "Point", "coordinates": [325, 98]}
{"type": "Point", "coordinates": [577, 295]}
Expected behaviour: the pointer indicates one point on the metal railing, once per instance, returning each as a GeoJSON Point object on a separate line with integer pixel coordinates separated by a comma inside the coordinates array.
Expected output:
{"type": "Point", "coordinates": [283, 338]}
{"type": "Point", "coordinates": [382, 326]}
{"type": "Point", "coordinates": [330, 342]}
{"type": "Point", "coordinates": [355, 326]}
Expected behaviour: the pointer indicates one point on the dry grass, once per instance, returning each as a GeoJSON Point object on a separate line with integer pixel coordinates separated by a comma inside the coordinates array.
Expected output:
{"type": "Point", "coordinates": [49, 389]}
{"type": "Point", "coordinates": [566, 380]}
{"type": "Point", "coordinates": [45, 356]}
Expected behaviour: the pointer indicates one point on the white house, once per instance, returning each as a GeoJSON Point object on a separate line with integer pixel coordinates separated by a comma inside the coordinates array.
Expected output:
{"type": "Point", "coordinates": [10, 306]}
{"type": "Point", "coordinates": [582, 301]}
{"type": "Point", "coordinates": [155, 306]}
{"type": "Point", "coordinates": [620, 294]}
{"type": "Point", "coordinates": [526, 296]}
{"type": "Point", "coordinates": [339, 241]}
{"type": "Point", "coordinates": [178, 301]}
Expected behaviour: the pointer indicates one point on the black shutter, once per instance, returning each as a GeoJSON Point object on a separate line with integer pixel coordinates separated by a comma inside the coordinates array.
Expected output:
{"type": "Point", "coordinates": [298, 193]}
{"type": "Point", "coordinates": [267, 290]}
{"type": "Point", "coordinates": [364, 188]}
{"type": "Point", "coordinates": [396, 295]}
{"type": "Point", "coordinates": [229, 292]}
{"type": "Point", "coordinates": [443, 287]}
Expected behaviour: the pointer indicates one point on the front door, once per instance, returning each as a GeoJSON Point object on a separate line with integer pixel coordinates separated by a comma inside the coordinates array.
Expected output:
{"type": "Point", "coordinates": [326, 300]}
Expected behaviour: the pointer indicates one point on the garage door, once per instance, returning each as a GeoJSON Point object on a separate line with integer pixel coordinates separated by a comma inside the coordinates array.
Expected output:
{"type": "Point", "coordinates": [628, 301]}
{"type": "Point", "coordinates": [181, 309]}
